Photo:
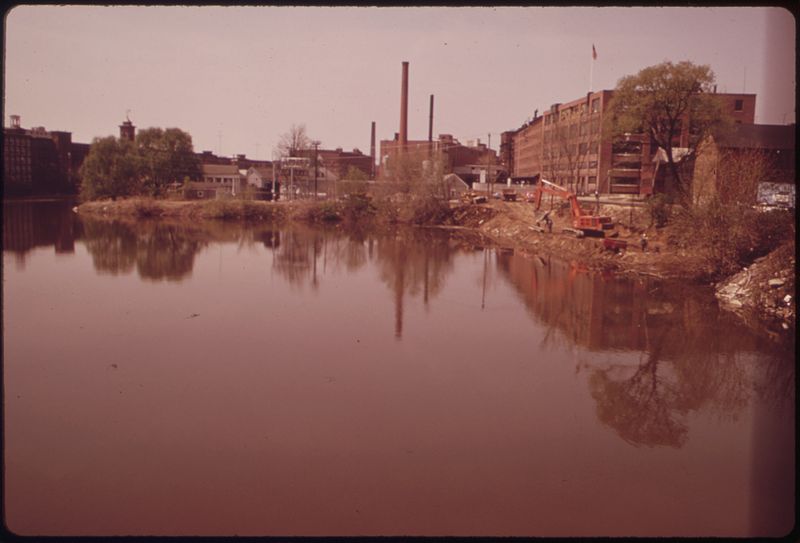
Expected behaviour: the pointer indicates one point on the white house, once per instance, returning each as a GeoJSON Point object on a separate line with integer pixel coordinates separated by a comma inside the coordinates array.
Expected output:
{"type": "Point", "coordinates": [225, 177]}
{"type": "Point", "coordinates": [260, 177]}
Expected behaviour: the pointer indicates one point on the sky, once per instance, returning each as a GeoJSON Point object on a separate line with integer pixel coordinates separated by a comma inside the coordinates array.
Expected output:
{"type": "Point", "coordinates": [237, 78]}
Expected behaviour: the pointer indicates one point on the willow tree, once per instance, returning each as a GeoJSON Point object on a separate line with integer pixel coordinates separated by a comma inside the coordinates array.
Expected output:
{"type": "Point", "coordinates": [661, 101]}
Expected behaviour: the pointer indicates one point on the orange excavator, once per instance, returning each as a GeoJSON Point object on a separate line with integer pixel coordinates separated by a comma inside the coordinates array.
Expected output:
{"type": "Point", "coordinates": [582, 222]}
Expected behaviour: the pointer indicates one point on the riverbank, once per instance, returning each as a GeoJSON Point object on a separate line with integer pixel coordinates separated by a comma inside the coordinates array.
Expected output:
{"type": "Point", "coordinates": [513, 225]}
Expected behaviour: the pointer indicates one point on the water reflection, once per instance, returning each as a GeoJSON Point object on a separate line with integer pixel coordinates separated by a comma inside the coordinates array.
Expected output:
{"type": "Point", "coordinates": [158, 251]}
{"type": "Point", "coordinates": [410, 262]}
{"type": "Point", "coordinates": [685, 363]}
{"type": "Point", "coordinates": [582, 392]}
{"type": "Point", "coordinates": [29, 224]}
{"type": "Point", "coordinates": [413, 263]}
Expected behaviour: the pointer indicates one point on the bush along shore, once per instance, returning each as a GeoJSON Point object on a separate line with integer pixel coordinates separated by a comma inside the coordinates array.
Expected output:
{"type": "Point", "coordinates": [696, 246]}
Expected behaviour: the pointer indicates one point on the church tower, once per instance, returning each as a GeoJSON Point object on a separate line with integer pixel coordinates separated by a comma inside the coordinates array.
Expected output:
{"type": "Point", "coordinates": [126, 130]}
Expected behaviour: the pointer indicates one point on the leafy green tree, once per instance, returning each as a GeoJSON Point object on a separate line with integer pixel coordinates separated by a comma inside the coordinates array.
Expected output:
{"type": "Point", "coordinates": [167, 156]}
{"type": "Point", "coordinates": [117, 167]}
{"type": "Point", "coordinates": [659, 101]}
{"type": "Point", "coordinates": [112, 168]}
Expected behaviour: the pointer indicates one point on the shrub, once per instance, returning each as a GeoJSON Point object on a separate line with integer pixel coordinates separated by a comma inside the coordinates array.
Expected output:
{"type": "Point", "coordinates": [428, 210]}
{"type": "Point", "coordinates": [728, 237]}
{"type": "Point", "coordinates": [659, 207]}
{"type": "Point", "coordinates": [358, 206]}
{"type": "Point", "coordinates": [146, 207]}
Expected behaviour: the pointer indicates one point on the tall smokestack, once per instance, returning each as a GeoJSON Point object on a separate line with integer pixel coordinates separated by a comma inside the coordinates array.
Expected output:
{"type": "Point", "coordinates": [430, 123]}
{"type": "Point", "coordinates": [404, 107]}
{"type": "Point", "coordinates": [372, 151]}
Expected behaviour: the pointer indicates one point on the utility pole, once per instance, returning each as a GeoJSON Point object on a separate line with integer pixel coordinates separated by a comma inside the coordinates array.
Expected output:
{"type": "Point", "coordinates": [274, 194]}
{"type": "Point", "coordinates": [488, 157]}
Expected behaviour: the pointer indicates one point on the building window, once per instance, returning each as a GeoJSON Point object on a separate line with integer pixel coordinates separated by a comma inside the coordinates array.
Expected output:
{"type": "Point", "coordinates": [738, 105]}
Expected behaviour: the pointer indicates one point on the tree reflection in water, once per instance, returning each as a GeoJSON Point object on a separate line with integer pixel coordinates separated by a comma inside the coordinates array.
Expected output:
{"type": "Point", "coordinates": [159, 251]}
{"type": "Point", "coordinates": [413, 262]}
{"type": "Point", "coordinates": [686, 365]}
{"type": "Point", "coordinates": [410, 262]}
{"type": "Point", "coordinates": [112, 245]}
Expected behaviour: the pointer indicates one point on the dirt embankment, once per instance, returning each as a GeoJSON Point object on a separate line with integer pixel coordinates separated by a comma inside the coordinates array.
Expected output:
{"type": "Point", "coordinates": [513, 224]}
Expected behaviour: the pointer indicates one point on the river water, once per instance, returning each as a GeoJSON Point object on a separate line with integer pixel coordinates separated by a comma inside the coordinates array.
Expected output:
{"type": "Point", "coordinates": [218, 379]}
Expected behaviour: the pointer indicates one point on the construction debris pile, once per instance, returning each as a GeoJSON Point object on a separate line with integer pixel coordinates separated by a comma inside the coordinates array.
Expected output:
{"type": "Point", "coordinates": [767, 287]}
{"type": "Point", "coordinates": [471, 216]}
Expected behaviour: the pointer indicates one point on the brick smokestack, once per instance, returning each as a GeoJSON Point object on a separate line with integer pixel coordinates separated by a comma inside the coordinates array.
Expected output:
{"type": "Point", "coordinates": [430, 122]}
{"type": "Point", "coordinates": [404, 107]}
{"type": "Point", "coordinates": [372, 151]}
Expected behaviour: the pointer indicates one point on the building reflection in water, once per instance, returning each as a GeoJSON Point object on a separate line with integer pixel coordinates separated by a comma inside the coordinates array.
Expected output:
{"type": "Point", "coordinates": [28, 225]}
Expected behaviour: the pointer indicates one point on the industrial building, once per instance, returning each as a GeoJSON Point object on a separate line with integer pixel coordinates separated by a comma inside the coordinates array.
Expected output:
{"type": "Point", "coordinates": [38, 161]}
{"type": "Point", "coordinates": [567, 145]}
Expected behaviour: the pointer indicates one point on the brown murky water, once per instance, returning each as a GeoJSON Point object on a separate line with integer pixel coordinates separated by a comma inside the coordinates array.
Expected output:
{"type": "Point", "coordinates": [164, 379]}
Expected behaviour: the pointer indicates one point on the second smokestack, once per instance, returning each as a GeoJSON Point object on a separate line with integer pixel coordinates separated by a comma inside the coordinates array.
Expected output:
{"type": "Point", "coordinates": [404, 107]}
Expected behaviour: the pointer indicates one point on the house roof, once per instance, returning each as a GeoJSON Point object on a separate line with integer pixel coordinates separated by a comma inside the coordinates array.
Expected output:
{"type": "Point", "coordinates": [261, 171]}
{"type": "Point", "coordinates": [220, 169]}
{"type": "Point", "coordinates": [759, 136]}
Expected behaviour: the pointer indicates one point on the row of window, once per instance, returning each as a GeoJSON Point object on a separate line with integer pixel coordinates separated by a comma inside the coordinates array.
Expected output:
{"type": "Point", "coordinates": [573, 149]}
{"type": "Point", "coordinates": [573, 111]}
{"type": "Point", "coordinates": [210, 179]}
{"type": "Point", "coordinates": [573, 130]}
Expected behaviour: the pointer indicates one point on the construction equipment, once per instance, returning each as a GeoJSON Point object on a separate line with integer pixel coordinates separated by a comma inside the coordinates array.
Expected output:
{"type": "Point", "coordinates": [582, 222]}
{"type": "Point", "coordinates": [472, 197]}
{"type": "Point", "coordinates": [510, 195]}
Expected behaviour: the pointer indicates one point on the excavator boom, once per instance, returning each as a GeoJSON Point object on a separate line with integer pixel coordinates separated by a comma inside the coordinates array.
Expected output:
{"type": "Point", "coordinates": [588, 224]}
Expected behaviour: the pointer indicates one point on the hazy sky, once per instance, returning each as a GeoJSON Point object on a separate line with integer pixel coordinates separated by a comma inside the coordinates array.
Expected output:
{"type": "Point", "coordinates": [236, 78]}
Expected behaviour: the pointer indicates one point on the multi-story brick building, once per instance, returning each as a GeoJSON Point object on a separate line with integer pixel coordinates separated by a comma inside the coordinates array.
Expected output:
{"type": "Point", "coordinates": [567, 145]}
{"type": "Point", "coordinates": [37, 161]}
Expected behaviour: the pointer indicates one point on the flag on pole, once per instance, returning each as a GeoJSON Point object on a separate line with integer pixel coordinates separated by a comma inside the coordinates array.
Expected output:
{"type": "Point", "coordinates": [594, 53]}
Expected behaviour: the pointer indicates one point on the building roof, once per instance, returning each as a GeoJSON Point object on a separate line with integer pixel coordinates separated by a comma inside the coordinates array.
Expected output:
{"type": "Point", "coordinates": [220, 169]}
{"type": "Point", "coordinates": [262, 171]}
{"type": "Point", "coordinates": [759, 136]}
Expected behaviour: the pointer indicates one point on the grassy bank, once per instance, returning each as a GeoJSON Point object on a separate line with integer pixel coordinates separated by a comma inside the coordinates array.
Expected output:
{"type": "Point", "coordinates": [360, 209]}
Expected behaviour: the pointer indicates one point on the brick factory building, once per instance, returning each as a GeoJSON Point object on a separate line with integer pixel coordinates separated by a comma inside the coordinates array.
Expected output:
{"type": "Point", "coordinates": [338, 162]}
{"type": "Point", "coordinates": [566, 146]}
{"type": "Point", "coordinates": [466, 161]}
{"type": "Point", "coordinates": [37, 161]}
